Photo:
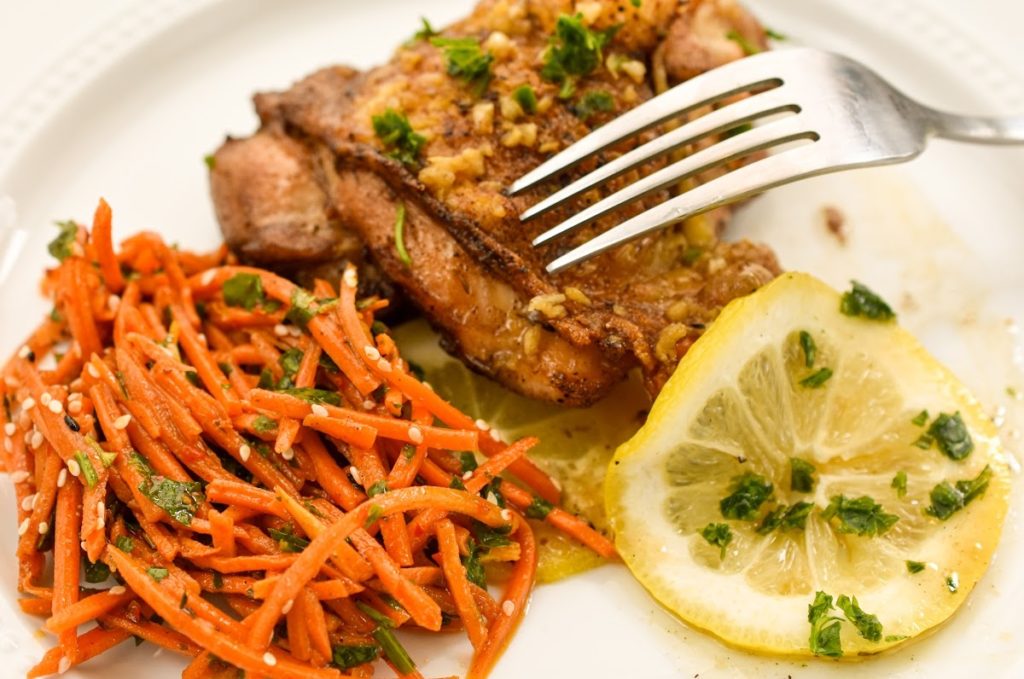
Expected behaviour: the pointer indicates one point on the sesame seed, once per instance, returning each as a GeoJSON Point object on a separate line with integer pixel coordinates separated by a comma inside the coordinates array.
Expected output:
{"type": "Point", "coordinates": [28, 404]}
{"type": "Point", "coordinates": [415, 434]}
{"type": "Point", "coordinates": [43, 527]}
{"type": "Point", "coordinates": [37, 439]}
{"type": "Point", "coordinates": [10, 428]}
{"type": "Point", "coordinates": [23, 527]}
{"type": "Point", "coordinates": [75, 396]}
{"type": "Point", "coordinates": [269, 659]}
{"type": "Point", "coordinates": [280, 330]}
{"type": "Point", "coordinates": [318, 410]}
{"type": "Point", "coordinates": [93, 371]}
{"type": "Point", "coordinates": [62, 478]}
{"type": "Point", "coordinates": [288, 454]}
{"type": "Point", "coordinates": [349, 277]}
{"type": "Point", "coordinates": [46, 398]}
{"type": "Point", "coordinates": [355, 475]}
{"type": "Point", "coordinates": [371, 352]}
{"type": "Point", "coordinates": [466, 476]}
{"type": "Point", "coordinates": [101, 508]}
{"type": "Point", "coordinates": [244, 451]}
{"type": "Point", "coordinates": [506, 515]}
{"type": "Point", "coordinates": [202, 337]}
{"type": "Point", "coordinates": [20, 476]}
{"type": "Point", "coordinates": [73, 468]}
{"type": "Point", "coordinates": [287, 606]}
{"type": "Point", "coordinates": [75, 407]}
{"type": "Point", "coordinates": [64, 665]}
{"type": "Point", "coordinates": [28, 502]}
{"type": "Point", "coordinates": [383, 365]}
{"type": "Point", "coordinates": [369, 405]}
{"type": "Point", "coordinates": [77, 384]}
{"type": "Point", "coordinates": [495, 435]}
{"type": "Point", "coordinates": [481, 425]}
{"type": "Point", "coordinates": [508, 607]}
{"type": "Point", "coordinates": [123, 421]}
{"type": "Point", "coordinates": [11, 381]}
{"type": "Point", "coordinates": [295, 331]}
{"type": "Point", "coordinates": [101, 522]}
{"type": "Point", "coordinates": [116, 590]}
{"type": "Point", "coordinates": [56, 407]}
{"type": "Point", "coordinates": [207, 277]}
{"type": "Point", "coordinates": [24, 351]}
{"type": "Point", "coordinates": [429, 386]}
{"type": "Point", "coordinates": [113, 302]}
{"type": "Point", "coordinates": [8, 446]}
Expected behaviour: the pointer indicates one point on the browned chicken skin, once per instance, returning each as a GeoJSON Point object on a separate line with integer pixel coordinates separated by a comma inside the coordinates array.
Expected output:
{"type": "Point", "coordinates": [314, 187]}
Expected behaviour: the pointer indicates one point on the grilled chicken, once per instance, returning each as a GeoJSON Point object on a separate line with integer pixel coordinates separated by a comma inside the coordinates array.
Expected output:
{"type": "Point", "coordinates": [316, 186]}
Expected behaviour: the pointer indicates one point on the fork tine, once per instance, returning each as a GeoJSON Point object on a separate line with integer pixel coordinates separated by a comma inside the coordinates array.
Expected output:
{"type": "Point", "coordinates": [723, 119]}
{"type": "Point", "coordinates": [760, 138]}
{"type": "Point", "coordinates": [782, 168]}
{"type": "Point", "coordinates": [732, 78]}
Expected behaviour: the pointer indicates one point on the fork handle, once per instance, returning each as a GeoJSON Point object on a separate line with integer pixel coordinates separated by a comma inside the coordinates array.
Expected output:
{"type": "Point", "coordinates": [980, 130]}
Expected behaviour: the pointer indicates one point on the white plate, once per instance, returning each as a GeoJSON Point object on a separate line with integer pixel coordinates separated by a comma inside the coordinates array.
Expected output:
{"type": "Point", "coordinates": [132, 112]}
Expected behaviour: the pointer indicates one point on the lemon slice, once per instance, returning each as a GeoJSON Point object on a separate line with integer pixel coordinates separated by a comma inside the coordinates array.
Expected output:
{"type": "Point", "coordinates": [745, 401]}
{"type": "Point", "coordinates": [575, 447]}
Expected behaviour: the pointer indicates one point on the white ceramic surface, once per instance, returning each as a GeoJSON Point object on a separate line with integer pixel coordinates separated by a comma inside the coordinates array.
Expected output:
{"type": "Point", "coordinates": [131, 112]}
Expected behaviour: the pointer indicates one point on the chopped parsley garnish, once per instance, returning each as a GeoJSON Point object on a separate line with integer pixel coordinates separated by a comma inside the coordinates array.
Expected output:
{"type": "Point", "coordinates": [809, 348]}
{"type": "Point", "coordinates": [389, 644]}
{"type": "Point", "coordinates": [861, 516]}
{"type": "Point", "coordinates": [403, 254]}
{"type": "Point", "coordinates": [526, 98]}
{"type": "Point", "coordinates": [289, 361]}
{"type": "Point", "coordinates": [748, 493]}
{"type": "Point", "coordinates": [467, 61]}
{"type": "Point", "coordinates": [951, 435]}
{"type": "Point", "coordinates": [263, 424]}
{"type": "Point", "coordinates": [592, 103]}
{"type": "Point", "coordinates": [953, 582]}
{"type": "Point", "coordinates": [287, 540]}
{"type": "Point", "coordinates": [924, 442]}
{"type": "Point", "coordinates": [300, 311]}
{"type": "Point", "coordinates": [575, 51]}
{"type": "Point", "coordinates": [920, 419]}
{"type": "Point", "coordinates": [408, 451]}
{"type": "Point", "coordinates": [125, 544]}
{"type": "Point", "coordinates": [244, 290]}
{"type": "Point", "coordinates": [748, 47]}
{"type": "Point", "coordinates": [467, 461]}
{"type": "Point", "coordinates": [211, 162]}
{"type": "Point", "coordinates": [915, 567]}
{"type": "Point", "coordinates": [718, 535]}
{"type": "Point", "coordinates": [88, 471]}
{"type": "Point", "coordinates": [801, 475]}
{"type": "Point", "coordinates": [824, 638]}
{"type": "Point", "coordinates": [774, 35]}
{"type": "Point", "coordinates": [539, 508]}
{"type": "Point", "coordinates": [377, 488]}
{"type": "Point", "coordinates": [491, 537]}
{"type": "Point", "coordinates": [817, 378]}
{"type": "Point", "coordinates": [474, 568]}
{"type": "Point", "coordinates": [310, 395]}
{"type": "Point", "coordinates": [861, 301]}
{"type": "Point", "coordinates": [399, 139]}
{"type": "Point", "coordinates": [96, 572]}
{"type": "Point", "coordinates": [792, 517]}
{"type": "Point", "coordinates": [60, 247]}
{"type": "Point", "coordinates": [947, 499]}
{"type": "Point", "coordinates": [193, 378]}
{"type": "Point", "coordinates": [867, 624]}
{"type": "Point", "coordinates": [157, 574]}
{"type": "Point", "coordinates": [345, 657]}
{"type": "Point", "coordinates": [426, 32]}
{"type": "Point", "coordinates": [635, 3]}
{"type": "Point", "coordinates": [456, 483]}
{"type": "Point", "coordinates": [180, 499]}
{"type": "Point", "coordinates": [373, 515]}
{"type": "Point", "coordinates": [899, 482]}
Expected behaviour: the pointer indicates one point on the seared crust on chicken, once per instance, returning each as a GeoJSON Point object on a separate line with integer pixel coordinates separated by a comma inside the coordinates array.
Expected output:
{"type": "Point", "coordinates": [315, 181]}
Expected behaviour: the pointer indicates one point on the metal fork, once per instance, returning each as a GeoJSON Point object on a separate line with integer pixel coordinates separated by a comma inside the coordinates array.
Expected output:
{"type": "Point", "coordinates": [847, 115]}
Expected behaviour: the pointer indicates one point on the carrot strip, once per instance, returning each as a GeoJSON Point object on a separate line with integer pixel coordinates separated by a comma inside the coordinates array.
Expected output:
{"type": "Point", "coordinates": [66, 562]}
{"type": "Point", "coordinates": [87, 609]}
{"type": "Point", "coordinates": [102, 238]}
{"type": "Point", "coordinates": [319, 637]}
{"type": "Point", "coordinates": [153, 633]}
{"type": "Point", "coordinates": [91, 644]}
{"type": "Point", "coordinates": [455, 575]}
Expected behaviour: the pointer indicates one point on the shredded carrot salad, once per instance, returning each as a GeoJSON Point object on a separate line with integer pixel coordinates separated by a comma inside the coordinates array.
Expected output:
{"type": "Point", "coordinates": [265, 479]}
